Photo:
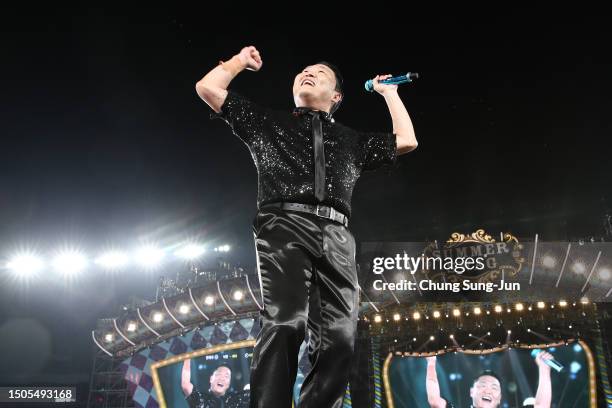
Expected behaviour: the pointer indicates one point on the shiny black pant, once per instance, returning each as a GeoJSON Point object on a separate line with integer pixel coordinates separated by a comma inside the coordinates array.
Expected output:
{"type": "Point", "coordinates": [309, 281]}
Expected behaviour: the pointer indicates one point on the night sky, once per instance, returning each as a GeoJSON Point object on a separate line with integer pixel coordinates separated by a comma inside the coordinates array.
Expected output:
{"type": "Point", "coordinates": [105, 142]}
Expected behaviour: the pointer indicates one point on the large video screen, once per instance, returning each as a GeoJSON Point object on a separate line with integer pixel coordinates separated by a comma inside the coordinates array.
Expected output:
{"type": "Point", "coordinates": [506, 379]}
{"type": "Point", "coordinates": [205, 379]}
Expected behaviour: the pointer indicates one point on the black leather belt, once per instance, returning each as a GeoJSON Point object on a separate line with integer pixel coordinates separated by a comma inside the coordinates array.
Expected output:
{"type": "Point", "coordinates": [322, 211]}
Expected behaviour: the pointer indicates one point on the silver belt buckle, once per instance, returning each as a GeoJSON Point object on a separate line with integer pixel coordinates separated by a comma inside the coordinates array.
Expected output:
{"type": "Point", "coordinates": [317, 212]}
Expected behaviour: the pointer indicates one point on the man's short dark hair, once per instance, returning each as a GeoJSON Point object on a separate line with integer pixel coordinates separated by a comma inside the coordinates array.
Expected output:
{"type": "Point", "coordinates": [489, 373]}
{"type": "Point", "coordinates": [339, 83]}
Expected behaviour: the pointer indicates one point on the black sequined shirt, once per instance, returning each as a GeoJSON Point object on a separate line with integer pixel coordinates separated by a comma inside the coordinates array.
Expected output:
{"type": "Point", "coordinates": [282, 149]}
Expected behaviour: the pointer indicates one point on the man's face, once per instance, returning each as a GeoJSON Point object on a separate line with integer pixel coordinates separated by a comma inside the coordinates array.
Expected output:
{"type": "Point", "coordinates": [314, 87]}
{"type": "Point", "coordinates": [220, 380]}
{"type": "Point", "coordinates": [486, 392]}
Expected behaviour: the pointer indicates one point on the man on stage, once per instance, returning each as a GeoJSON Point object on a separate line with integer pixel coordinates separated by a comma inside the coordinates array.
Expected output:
{"type": "Point", "coordinates": [486, 390]}
{"type": "Point", "coordinates": [307, 166]}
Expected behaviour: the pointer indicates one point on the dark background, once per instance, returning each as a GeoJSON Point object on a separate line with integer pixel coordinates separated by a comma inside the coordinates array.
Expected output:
{"type": "Point", "coordinates": [104, 141]}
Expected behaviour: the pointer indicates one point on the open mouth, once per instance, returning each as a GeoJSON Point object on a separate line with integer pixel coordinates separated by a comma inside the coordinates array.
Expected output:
{"type": "Point", "coordinates": [307, 82]}
{"type": "Point", "coordinates": [487, 398]}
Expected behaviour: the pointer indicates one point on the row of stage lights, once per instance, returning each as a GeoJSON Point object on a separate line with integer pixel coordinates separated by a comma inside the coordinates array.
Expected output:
{"type": "Point", "coordinates": [71, 262]}
{"type": "Point", "coordinates": [477, 310]}
{"type": "Point", "coordinates": [183, 309]}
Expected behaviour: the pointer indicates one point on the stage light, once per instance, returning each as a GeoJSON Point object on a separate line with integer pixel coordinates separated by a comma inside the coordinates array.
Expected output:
{"type": "Point", "coordinates": [528, 330]}
{"type": "Point", "coordinates": [519, 307]}
{"type": "Point", "coordinates": [397, 317]}
{"type": "Point", "coordinates": [149, 256]}
{"type": "Point", "coordinates": [209, 300]}
{"type": "Point", "coordinates": [190, 251]}
{"type": "Point", "coordinates": [569, 327]}
{"type": "Point", "coordinates": [562, 303]}
{"type": "Point", "coordinates": [577, 348]}
{"type": "Point", "coordinates": [184, 309]}
{"type": "Point", "coordinates": [549, 261]}
{"type": "Point", "coordinates": [452, 336]}
{"type": "Point", "coordinates": [488, 333]}
{"type": "Point", "coordinates": [575, 367]}
{"type": "Point", "coordinates": [416, 315]}
{"type": "Point", "coordinates": [108, 337]}
{"type": "Point", "coordinates": [238, 295]}
{"type": "Point", "coordinates": [509, 331]}
{"type": "Point", "coordinates": [131, 327]}
{"type": "Point", "coordinates": [579, 268]}
{"type": "Point", "coordinates": [69, 262]}
{"type": "Point", "coordinates": [377, 318]}
{"type": "Point", "coordinates": [584, 300]}
{"type": "Point", "coordinates": [222, 248]}
{"type": "Point", "coordinates": [112, 260]}
{"type": "Point", "coordinates": [498, 309]}
{"type": "Point", "coordinates": [414, 339]}
{"type": "Point", "coordinates": [456, 312]}
{"type": "Point", "coordinates": [25, 264]}
{"type": "Point", "coordinates": [432, 338]}
{"type": "Point", "coordinates": [158, 317]}
{"type": "Point", "coordinates": [436, 314]}
{"type": "Point", "coordinates": [548, 328]}
{"type": "Point", "coordinates": [530, 308]}
{"type": "Point", "coordinates": [541, 305]}
{"type": "Point", "coordinates": [604, 274]}
{"type": "Point", "coordinates": [477, 311]}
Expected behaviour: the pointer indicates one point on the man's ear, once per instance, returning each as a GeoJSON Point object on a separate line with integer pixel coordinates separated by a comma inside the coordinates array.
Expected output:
{"type": "Point", "coordinates": [336, 97]}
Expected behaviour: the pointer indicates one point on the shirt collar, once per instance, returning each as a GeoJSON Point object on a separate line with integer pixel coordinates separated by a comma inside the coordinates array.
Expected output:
{"type": "Point", "coordinates": [300, 111]}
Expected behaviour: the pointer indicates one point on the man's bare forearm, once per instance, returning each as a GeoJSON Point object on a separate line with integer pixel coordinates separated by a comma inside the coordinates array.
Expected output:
{"type": "Point", "coordinates": [213, 87]}
{"type": "Point", "coordinates": [402, 124]}
{"type": "Point", "coordinates": [543, 397]}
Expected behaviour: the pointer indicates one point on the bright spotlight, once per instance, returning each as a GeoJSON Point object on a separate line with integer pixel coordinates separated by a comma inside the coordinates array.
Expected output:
{"type": "Point", "coordinates": [477, 311]}
{"type": "Point", "coordinates": [541, 305]}
{"type": "Point", "coordinates": [432, 338]}
{"type": "Point", "coordinates": [519, 307]}
{"type": "Point", "coordinates": [25, 264]}
{"type": "Point", "coordinates": [158, 317]}
{"type": "Point", "coordinates": [190, 252]}
{"type": "Point", "coordinates": [416, 315]}
{"type": "Point", "coordinates": [131, 327]}
{"type": "Point", "coordinates": [377, 319]}
{"type": "Point", "coordinates": [456, 312]}
{"type": "Point", "coordinates": [397, 317]}
{"type": "Point", "coordinates": [109, 337]}
{"type": "Point", "coordinates": [238, 295]}
{"type": "Point", "coordinates": [184, 309]}
{"type": "Point", "coordinates": [69, 262]}
{"type": "Point", "coordinates": [222, 248]}
{"type": "Point", "coordinates": [436, 314]}
{"type": "Point", "coordinates": [549, 261]}
{"type": "Point", "coordinates": [562, 303]}
{"type": "Point", "coordinates": [452, 336]}
{"type": "Point", "coordinates": [579, 268]}
{"type": "Point", "coordinates": [584, 300]}
{"type": "Point", "coordinates": [605, 273]}
{"type": "Point", "coordinates": [498, 309]}
{"type": "Point", "coordinates": [209, 300]}
{"type": "Point", "coordinates": [149, 256]}
{"type": "Point", "coordinates": [113, 260]}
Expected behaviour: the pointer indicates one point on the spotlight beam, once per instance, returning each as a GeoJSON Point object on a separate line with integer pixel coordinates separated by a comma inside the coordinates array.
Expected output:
{"type": "Point", "coordinates": [93, 336]}
{"type": "Point", "coordinates": [569, 246]}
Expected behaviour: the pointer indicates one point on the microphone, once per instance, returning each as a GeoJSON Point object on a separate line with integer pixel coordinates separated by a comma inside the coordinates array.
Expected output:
{"type": "Point", "coordinates": [396, 80]}
{"type": "Point", "coordinates": [554, 364]}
